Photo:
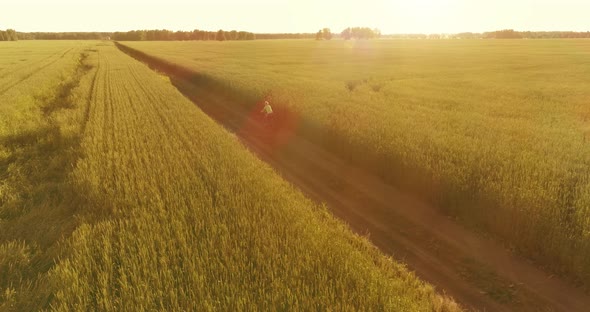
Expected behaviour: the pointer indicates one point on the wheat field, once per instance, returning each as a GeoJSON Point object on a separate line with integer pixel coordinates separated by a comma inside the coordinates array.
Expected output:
{"type": "Point", "coordinates": [494, 132]}
{"type": "Point", "coordinates": [119, 194]}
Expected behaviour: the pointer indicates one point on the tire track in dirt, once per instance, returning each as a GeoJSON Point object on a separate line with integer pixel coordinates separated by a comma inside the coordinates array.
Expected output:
{"type": "Point", "coordinates": [479, 273]}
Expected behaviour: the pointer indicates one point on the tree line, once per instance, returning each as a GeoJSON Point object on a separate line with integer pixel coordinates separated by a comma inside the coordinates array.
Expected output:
{"type": "Point", "coordinates": [168, 35]}
{"type": "Point", "coordinates": [286, 36]}
{"type": "Point", "coordinates": [322, 34]}
{"type": "Point", "coordinates": [512, 34]}
{"type": "Point", "coordinates": [498, 34]}
{"type": "Point", "coordinates": [63, 35]}
{"type": "Point", "coordinates": [360, 33]}
{"type": "Point", "coordinates": [134, 35]}
{"type": "Point", "coordinates": [8, 35]}
{"type": "Point", "coordinates": [349, 33]}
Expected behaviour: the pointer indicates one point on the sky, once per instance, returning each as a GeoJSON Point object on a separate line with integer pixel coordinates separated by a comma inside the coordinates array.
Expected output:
{"type": "Point", "coordinates": [267, 16]}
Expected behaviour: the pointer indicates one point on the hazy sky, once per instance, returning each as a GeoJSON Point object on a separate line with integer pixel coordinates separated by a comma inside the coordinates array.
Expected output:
{"type": "Point", "coordinates": [391, 16]}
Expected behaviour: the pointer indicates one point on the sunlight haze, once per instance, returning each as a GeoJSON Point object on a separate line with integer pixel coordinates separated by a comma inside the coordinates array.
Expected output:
{"type": "Point", "coordinates": [300, 155]}
{"type": "Point", "coordinates": [419, 16]}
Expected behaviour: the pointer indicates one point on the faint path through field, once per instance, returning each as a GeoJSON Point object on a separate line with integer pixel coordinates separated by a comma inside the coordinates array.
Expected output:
{"type": "Point", "coordinates": [477, 272]}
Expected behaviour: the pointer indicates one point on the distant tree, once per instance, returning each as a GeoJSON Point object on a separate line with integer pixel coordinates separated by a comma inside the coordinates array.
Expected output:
{"type": "Point", "coordinates": [244, 35]}
{"type": "Point", "coordinates": [182, 36]}
{"type": "Point", "coordinates": [220, 35]}
{"type": "Point", "coordinates": [165, 35]}
{"type": "Point", "coordinates": [134, 35]}
{"type": "Point", "coordinates": [360, 33]}
{"type": "Point", "coordinates": [326, 34]}
{"type": "Point", "coordinates": [24, 36]}
{"type": "Point", "coordinates": [505, 34]}
{"type": "Point", "coordinates": [346, 34]}
{"type": "Point", "coordinates": [10, 35]}
{"type": "Point", "coordinates": [319, 35]}
{"type": "Point", "coordinates": [198, 35]}
{"type": "Point", "coordinates": [2, 38]}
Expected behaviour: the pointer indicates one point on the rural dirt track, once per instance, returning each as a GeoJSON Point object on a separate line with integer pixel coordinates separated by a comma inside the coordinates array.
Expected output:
{"type": "Point", "coordinates": [478, 273]}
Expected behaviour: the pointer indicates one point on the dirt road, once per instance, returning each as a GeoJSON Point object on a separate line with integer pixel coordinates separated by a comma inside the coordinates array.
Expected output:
{"type": "Point", "coordinates": [477, 272]}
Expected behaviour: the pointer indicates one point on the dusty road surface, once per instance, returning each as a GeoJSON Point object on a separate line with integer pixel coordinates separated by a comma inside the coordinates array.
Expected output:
{"type": "Point", "coordinates": [478, 273]}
